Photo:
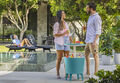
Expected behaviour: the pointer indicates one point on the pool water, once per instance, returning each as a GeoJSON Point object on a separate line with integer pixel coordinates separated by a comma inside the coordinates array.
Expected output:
{"type": "Point", "coordinates": [29, 61]}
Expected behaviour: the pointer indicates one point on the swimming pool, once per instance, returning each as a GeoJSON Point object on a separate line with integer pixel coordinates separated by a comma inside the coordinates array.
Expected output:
{"type": "Point", "coordinates": [27, 61]}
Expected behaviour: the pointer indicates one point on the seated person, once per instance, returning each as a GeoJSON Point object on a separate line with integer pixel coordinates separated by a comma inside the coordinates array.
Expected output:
{"type": "Point", "coordinates": [17, 42]}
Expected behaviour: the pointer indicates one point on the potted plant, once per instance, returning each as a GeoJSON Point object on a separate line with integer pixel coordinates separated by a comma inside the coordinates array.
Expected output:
{"type": "Point", "coordinates": [107, 57]}
{"type": "Point", "coordinates": [116, 46]}
{"type": "Point", "coordinates": [106, 47]}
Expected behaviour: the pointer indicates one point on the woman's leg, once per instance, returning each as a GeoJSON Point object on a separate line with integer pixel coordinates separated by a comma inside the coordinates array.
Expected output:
{"type": "Point", "coordinates": [28, 41]}
{"type": "Point", "coordinates": [58, 62]}
{"type": "Point", "coordinates": [66, 53]}
{"type": "Point", "coordinates": [25, 41]}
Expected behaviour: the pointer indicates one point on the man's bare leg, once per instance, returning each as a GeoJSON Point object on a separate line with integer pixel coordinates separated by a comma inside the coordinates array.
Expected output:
{"type": "Point", "coordinates": [94, 50]}
{"type": "Point", "coordinates": [96, 58]}
{"type": "Point", "coordinates": [87, 57]}
{"type": "Point", "coordinates": [87, 64]}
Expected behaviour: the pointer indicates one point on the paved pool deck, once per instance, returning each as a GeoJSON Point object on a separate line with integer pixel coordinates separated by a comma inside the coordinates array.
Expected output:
{"type": "Point", "coordinates": [46, 77]}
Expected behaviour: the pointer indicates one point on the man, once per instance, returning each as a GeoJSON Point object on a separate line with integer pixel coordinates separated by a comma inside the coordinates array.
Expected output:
{"type": "Point", "coordinates": [92, 36]}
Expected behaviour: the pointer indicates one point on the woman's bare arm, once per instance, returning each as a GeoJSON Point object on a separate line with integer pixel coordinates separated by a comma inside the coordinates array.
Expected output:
{"type": "Point", "coordinates": [58, 35]}
{"type": "Point", "coordinates": [62, 34]}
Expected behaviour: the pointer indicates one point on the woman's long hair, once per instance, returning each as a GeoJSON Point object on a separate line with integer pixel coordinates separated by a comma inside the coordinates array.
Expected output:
{"type": "Point", "coordinates": [61, 23]}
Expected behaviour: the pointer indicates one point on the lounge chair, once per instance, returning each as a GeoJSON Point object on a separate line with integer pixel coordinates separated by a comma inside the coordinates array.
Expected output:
{"type": "Point", "coordinates": [32, 40]}
{"type": "Point", "coordinates": [13, 47]}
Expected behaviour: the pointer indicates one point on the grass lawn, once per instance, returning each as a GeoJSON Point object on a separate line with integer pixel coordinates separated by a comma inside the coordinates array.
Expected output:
{"type": "Point", "coordinates": [5, 49]}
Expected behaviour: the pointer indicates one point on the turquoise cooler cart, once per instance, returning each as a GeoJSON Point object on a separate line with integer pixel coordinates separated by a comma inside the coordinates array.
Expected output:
{"type": "Point", "coordinates": [74, 66]}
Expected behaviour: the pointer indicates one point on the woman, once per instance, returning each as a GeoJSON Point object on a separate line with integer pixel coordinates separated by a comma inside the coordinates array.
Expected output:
{"type": "Point", "coordinates": [17, 42]}
{"type": "Point", "coordinates": [61, 34]}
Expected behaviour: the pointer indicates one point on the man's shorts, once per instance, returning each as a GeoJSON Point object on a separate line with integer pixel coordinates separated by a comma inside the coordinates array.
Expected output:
{"type": "Point", "coordinates": [90, 49]}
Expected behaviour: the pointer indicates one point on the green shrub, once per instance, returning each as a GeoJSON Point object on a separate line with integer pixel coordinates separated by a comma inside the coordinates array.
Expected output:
{"type": "Point", "coordinates": [31, 32]}
{"type": "Point", "coordinates": [106, 76]}
{"type": "Point", "coordinates": [106, 43]}
{"type": "Point", "coordinates": [116, 31]}
{"type": "Point", "coordinates": [9, 31]}
{"type": "Point", "coordinates": [91, 80]}
{"type": "Point", "coordinates": [28, 32]}
{"type": "Point", "coordinates": [116, 45]}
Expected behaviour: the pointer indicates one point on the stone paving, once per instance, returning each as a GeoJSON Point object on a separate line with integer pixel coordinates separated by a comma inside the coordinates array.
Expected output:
{"type": "Point", "coordinates": [46, 77]}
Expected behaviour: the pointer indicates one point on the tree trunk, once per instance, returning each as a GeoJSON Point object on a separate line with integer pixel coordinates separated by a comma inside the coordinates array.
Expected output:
{"type": "Point", "coordinates": [76, 30]}
{"type": "Point", "coordinates": [21, 35]}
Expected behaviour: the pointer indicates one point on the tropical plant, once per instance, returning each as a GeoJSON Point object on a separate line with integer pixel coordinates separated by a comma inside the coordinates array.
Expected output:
{"type": "Point", "coordinates": [76, 12]}
{"type": "Point", "coordinates": [116, 31]}
{"type": "Point", "coordinates": [116, 45]}
{"type": "Point", "coordinates": [106, 43]}
{"type": "Point", "coordinates": [91, 80]}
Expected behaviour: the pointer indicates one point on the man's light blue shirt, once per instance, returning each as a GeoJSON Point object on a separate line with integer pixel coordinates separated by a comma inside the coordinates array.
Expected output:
{"type": "Point", "coordinates": [94, 25]}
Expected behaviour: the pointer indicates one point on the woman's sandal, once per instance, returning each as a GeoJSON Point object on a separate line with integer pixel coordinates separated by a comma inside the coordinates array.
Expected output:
{"type": "Point", "coordinates": [58, 77]}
